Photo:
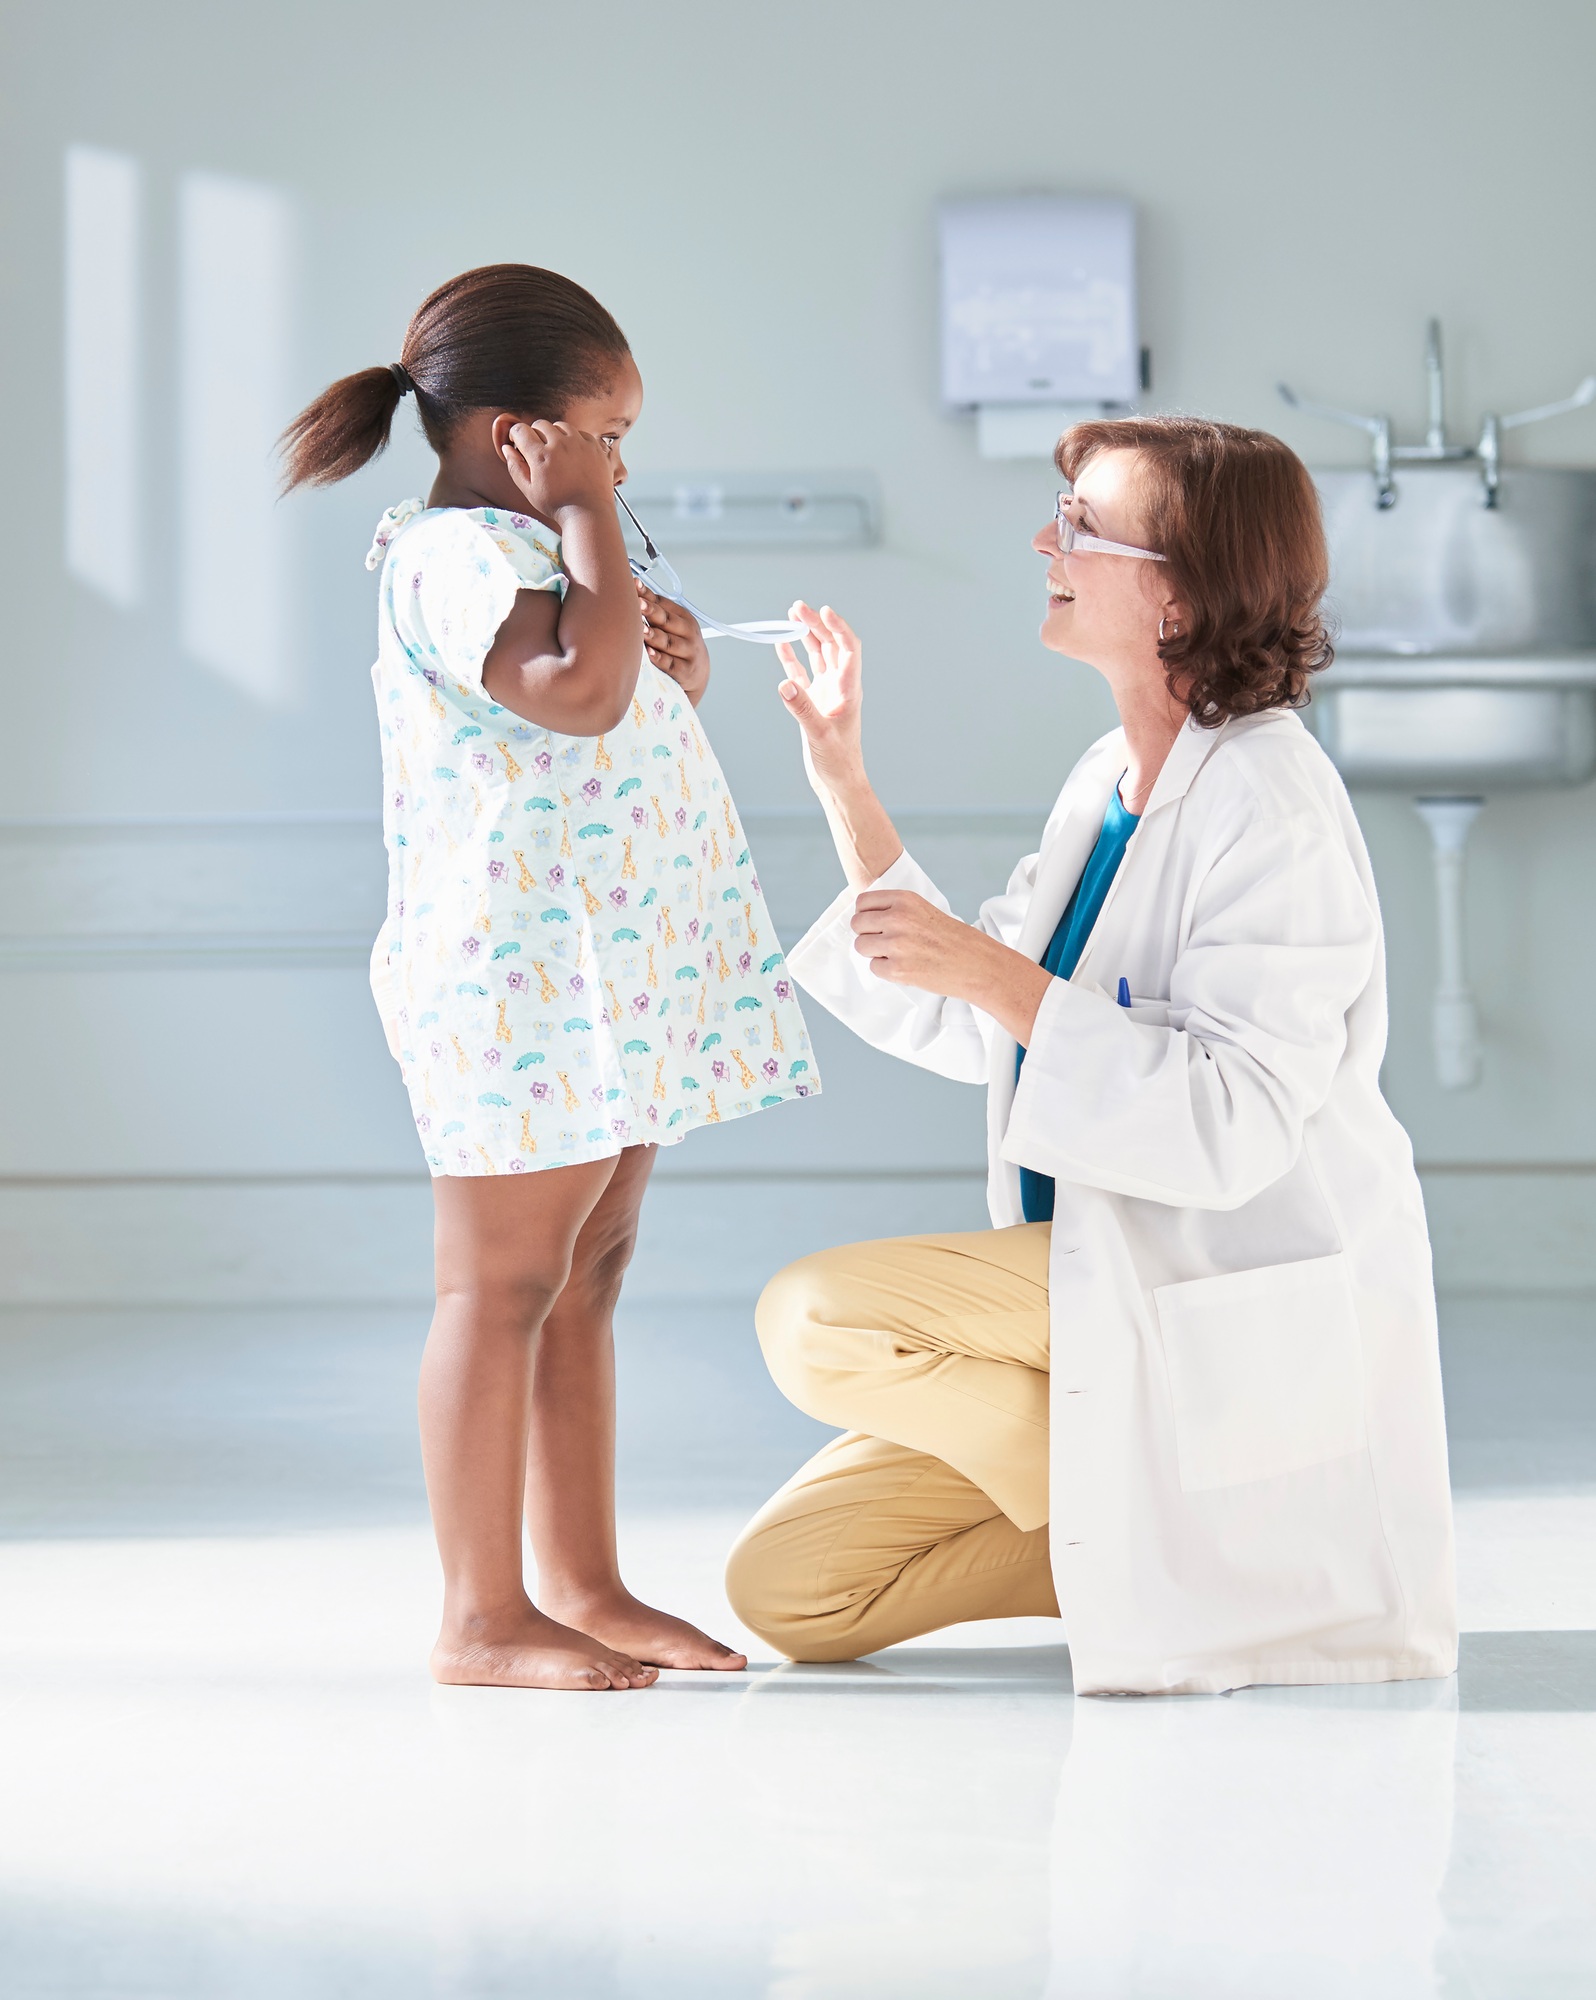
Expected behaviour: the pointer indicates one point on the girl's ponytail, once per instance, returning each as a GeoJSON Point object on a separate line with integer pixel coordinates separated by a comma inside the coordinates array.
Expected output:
{"type": "Point", "coordinates": [507, 337]}
{"type": "Point", "coordinates": [344, 429]}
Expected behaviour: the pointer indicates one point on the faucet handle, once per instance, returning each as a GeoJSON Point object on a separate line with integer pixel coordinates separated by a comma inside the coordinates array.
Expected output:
{"type": "Point", "coordinates": [1585, 393]}
{"type": "Point", "coordinates": [1489, 449]}
{"type": "Point", "coordinates": [1329, 411]}
{"type": "Point", "coordinates": [1379, 429]}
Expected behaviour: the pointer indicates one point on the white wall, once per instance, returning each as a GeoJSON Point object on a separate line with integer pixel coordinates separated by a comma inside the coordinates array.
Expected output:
{"type": "Point", "coordinates": [751, 189]}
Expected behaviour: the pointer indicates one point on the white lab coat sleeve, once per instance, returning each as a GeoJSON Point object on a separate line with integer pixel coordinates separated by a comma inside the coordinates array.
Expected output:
{"type": "Point", "coordinates": [947, 1036]}
{"type": "Point", "coordinates": [1281, 939]}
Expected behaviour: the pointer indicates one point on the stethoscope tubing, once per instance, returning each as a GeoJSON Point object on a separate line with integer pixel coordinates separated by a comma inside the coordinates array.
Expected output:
{"type": "Point", "coordinates": [662, 579]}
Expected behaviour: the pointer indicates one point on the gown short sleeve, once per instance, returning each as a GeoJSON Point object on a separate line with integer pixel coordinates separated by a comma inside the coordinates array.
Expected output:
{"type": "Point", "coordinates": [456, 577]}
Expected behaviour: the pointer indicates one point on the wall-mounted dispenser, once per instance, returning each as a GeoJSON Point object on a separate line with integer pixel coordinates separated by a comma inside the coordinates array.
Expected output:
{"type": "Point", "coordinates": [1039, 323]}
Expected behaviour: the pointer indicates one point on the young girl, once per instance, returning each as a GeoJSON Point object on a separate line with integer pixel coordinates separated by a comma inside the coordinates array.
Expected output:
{"type": "Point", "coordinates": [576, 967]}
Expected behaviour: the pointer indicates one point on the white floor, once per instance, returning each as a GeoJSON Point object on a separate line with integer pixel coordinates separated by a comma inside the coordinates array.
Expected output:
{"type": "Point", "coordinates": [224, 1773]}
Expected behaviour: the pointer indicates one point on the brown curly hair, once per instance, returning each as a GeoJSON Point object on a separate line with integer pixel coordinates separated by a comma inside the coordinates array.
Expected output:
{"type": "Point", "coordinates": [1236, 517]}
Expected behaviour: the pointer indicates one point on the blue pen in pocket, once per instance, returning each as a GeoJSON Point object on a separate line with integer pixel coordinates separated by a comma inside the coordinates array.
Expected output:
{"type": "Point", "coordinates": [1123, 995]}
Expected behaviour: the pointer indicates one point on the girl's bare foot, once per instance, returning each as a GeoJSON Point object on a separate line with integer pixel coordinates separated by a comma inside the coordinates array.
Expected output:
{"type": "Point", "coordinates": [522, 1648]}
{"type": "Point", "coordinates": [619, 1619]}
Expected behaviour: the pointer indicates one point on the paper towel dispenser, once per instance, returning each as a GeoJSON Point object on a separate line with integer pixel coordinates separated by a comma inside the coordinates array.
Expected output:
{"type": "Point", "coordinates": [1039, 323]}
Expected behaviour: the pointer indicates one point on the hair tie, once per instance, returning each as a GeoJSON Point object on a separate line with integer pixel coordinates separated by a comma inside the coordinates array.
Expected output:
{"type": "Point", "coordinates": [401, 374]}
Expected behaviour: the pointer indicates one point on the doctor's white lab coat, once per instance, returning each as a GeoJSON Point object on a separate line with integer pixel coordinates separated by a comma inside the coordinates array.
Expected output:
{"type": "Point", "coordinates": [1249, 1475]}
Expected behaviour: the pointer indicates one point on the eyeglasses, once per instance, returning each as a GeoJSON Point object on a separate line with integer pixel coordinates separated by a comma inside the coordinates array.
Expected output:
{"type": "Point", "coordinates": [1071, 538]}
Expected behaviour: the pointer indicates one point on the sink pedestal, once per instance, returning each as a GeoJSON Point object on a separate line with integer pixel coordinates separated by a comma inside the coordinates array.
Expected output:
{"type": "Point", "coordinates": [1458, 1053]}
{"type": "Point", "coordinates": [1465, 663]}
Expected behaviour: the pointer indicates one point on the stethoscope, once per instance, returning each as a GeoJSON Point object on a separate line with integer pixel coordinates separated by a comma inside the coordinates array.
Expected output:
{"type": "Point", "coordinates": [660, 578]}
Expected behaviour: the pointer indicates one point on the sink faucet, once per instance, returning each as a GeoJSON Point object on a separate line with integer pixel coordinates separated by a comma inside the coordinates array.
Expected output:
{"type": "Point", "coordinates": [1435, 446]}
{"type": "Point", "coordinates": [1379, 429]}
{"type": "Point", "coordinates": [1489, 449]}
{"type": "Point", "coordinates": [1435, 449]}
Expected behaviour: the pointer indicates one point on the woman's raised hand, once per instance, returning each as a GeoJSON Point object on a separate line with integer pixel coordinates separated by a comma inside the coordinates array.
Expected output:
{"type": "Point", "coordinates": [826, 698]}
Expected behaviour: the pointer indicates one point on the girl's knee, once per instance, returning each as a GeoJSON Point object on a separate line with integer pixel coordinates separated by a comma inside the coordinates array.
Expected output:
{"type": "Point", "coordinates": [599, 1270]}
{"type": "Point", "coordinates": [518, 1296]}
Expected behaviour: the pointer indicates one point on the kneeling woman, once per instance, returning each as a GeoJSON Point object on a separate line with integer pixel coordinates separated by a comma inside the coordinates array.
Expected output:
{"type": "Point", "coordinates": [1186, 1392]}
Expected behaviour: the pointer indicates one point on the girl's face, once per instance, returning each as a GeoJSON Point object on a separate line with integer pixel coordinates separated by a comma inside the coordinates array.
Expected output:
{"type": "Point", "coordinates": [1105, 609]}
{"type": "Point", "coordinates": [610, 414]}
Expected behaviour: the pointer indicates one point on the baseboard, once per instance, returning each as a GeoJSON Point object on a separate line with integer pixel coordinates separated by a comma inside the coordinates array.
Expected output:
{"type": "Point", "coordinates": [282, 1241]}
{"type": "Point", "coordinates": [1512, 1229]}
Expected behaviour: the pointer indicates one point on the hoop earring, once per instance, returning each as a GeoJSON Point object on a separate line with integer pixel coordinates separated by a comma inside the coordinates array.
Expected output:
{"type": "Point", "coordinates": [1165, 637]}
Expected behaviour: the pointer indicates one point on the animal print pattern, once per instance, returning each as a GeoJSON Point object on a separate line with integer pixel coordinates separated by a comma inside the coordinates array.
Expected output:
{"type": "Point", "coordinates": [576, 956]}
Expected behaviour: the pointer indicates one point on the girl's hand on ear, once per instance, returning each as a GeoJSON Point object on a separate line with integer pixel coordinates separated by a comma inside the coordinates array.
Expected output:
{"type": "Point", "coordinates": [558, 468]}
{"type": "Point", "coordinates": [826, 698]}
{"type": "Point", "coordinates": [673, 641]}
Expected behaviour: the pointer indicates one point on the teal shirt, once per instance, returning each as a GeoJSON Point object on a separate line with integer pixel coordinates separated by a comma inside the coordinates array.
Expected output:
{"type": "Point", "coordinates": [1064, 954]}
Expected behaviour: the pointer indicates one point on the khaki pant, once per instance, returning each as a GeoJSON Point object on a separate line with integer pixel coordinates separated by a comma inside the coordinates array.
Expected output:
{"type": "Point", "coordinates": [932, 1351]}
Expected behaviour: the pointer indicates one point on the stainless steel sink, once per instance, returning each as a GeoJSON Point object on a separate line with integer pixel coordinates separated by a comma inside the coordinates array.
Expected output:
{"type": "Point", "coordinates": [1466, 634]}
{"type": "Point", "coordinates": [1457, 722]}
{"type": "Point", "coordinates": [1465, 663]}
{"type": "Point", "coordinates": [1439, 573]}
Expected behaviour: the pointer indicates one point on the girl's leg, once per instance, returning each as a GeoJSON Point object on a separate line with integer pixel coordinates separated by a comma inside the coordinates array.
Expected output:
{"type": "Point", "coordinates": [504, 1249]}
{"type": "Point", "coordinates": [570, 1474]}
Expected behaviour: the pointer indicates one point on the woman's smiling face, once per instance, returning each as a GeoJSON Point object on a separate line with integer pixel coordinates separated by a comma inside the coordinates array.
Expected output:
{"type": "Point", "coordinates": [1103, 609]}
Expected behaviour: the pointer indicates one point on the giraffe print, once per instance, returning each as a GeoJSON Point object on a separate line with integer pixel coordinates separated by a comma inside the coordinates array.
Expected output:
{"type": "Point", "coordinates": [561, 908]}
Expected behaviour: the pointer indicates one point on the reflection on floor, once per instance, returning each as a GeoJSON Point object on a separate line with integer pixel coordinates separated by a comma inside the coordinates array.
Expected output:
{"type": "Point", "coordinates": [226, 1775]}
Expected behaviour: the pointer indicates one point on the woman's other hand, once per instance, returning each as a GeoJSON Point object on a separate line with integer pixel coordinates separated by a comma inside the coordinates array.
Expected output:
{"type": "Point", "coordinates": [912, 943]}
{"type": "Point", "coordinates": [826, 699]}
{"type": "Point", "coordinates": [674, 641]}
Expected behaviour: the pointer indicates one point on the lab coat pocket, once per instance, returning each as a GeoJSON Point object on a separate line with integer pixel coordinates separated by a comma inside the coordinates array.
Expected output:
{"type": "Point", "coordinates": [1153, 1013]}
{"type": "Point", "coordinates": [1265, 1371]}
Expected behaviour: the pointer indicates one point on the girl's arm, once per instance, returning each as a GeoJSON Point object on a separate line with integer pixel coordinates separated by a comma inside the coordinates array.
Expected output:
{"type": "Point", "coordinates": [570, 664]}
{"type": "Point", "coordinates": [827, 701]}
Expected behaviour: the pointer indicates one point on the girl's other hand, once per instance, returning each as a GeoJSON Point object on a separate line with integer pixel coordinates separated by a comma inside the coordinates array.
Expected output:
{"type": "Point", "coordinates": [826, 699]}
{"type": "Point", "coordinates": [674, 642]}
{"type": "Point", "coordinates": [558, 468]}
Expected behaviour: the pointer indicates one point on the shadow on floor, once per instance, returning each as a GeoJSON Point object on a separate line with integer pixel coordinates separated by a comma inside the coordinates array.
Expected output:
{"type": "Point", "coordinates": [1528, 1673]}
